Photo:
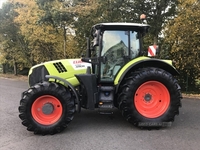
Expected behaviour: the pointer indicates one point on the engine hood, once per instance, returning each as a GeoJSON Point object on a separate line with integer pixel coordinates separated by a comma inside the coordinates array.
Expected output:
{"type": "Point", "coordinates": [64, 68]}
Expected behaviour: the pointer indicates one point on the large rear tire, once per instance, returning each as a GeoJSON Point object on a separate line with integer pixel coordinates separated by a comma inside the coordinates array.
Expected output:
{"type": "Point", "coordinates": [150, 97]}
{"type": "Point", "coordinates": [46, 108]}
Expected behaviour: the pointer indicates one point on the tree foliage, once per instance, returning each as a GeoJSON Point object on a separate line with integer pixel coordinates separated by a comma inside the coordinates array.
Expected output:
{"type": "Point", "coordinates": [158, 13]}
{"type": "Point", "coordinates": [44, 40]}
{"type": "Point", "coordinates": [43, 30]}
{"type": "Point", "coordinates": [182, 36]}
{"type": "Point", "coordinates": [12, 43]}
{"type": "Point", "coordinates": [94, 11]}
{"type": "Point", "coordinates": [43, 23]}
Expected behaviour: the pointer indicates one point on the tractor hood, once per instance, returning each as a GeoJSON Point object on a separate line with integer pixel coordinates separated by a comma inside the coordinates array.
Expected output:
{"type": "Point", "coordinates": [65, 68]}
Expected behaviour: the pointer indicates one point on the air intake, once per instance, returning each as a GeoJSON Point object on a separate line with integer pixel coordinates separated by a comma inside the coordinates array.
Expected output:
{"type": "Point", "coordinates": [60, 67]}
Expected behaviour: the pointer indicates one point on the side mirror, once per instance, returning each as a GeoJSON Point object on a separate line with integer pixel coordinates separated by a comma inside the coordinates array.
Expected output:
{"type": "Point", "coordinates": [104, 59]}
{"type": "Point", "coordinates": [96, 41]}
{"type": "Point", "coordinates": [96, 38]}
{"type": "Point", "coordinates": [91, 47]}
{"type": "Point", "coordinates": [88, 53]}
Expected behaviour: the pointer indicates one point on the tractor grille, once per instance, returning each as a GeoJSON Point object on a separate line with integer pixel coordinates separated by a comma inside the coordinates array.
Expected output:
{"type": "Point", "coordinates": [60, 67]}
{"type": "Point", "coordinates": [38, 75]}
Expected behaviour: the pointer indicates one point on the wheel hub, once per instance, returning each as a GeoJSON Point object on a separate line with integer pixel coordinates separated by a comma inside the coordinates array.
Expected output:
{"type": "Point", "coordinates": [48, 108]}
{"type": "Point", "coordinates": [148, 97]}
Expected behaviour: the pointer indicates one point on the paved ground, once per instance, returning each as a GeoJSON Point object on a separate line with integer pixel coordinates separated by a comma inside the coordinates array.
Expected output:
{"type": "Point", "coordinates": [91, 131]}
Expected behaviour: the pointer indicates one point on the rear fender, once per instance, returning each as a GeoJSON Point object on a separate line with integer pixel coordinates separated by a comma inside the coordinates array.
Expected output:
{"type": "Point", "coordinates": [142, 62]}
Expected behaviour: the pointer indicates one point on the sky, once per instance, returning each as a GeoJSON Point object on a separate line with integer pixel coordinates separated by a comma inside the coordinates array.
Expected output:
{"type": "Point", "coordinates": [1, 1]}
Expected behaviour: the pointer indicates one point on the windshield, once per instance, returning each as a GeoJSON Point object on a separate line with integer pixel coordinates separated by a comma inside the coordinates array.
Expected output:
{"type": "Point", "coordinates": [114, 39]}
{"type": "Point", "coordinates": [115, 47]}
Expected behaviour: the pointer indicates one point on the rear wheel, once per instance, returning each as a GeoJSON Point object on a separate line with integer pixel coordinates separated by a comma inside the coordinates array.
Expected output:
{"type": "Point", "coordinates": [149, 97]}
{"type": "Point", "coordinates": [46, 108]}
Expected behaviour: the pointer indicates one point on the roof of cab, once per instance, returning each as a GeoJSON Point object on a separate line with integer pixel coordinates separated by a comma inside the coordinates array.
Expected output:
{"type": "Point", "coordinates": [120, 25]}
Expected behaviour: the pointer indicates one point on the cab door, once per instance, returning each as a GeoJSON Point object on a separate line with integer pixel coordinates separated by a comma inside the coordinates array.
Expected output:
{"type": "Point", "coordinates": [118, 47]}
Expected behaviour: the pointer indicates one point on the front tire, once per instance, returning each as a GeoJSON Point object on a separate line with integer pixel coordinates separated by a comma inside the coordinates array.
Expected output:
{"type": "Point", "coordinates": [46, 108]}
{"type": "Point", "coordinates": [150, 97]}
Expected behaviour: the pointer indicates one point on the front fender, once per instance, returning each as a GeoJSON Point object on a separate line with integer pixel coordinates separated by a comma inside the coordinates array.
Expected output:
{"type": "Point", "coordinates": [142, 62]}
{"type": "Point", "coordinates": [67, 84]}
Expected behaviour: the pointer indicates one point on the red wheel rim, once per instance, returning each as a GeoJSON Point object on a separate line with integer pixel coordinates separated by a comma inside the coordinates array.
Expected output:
{"type": "Point", "coordinates": [152, 99]}
{"type": "Point", "coordinates": [46, 110]}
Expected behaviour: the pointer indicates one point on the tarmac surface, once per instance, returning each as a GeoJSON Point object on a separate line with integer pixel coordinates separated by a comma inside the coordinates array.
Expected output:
{"type": "Point", "coordinates": [92, 131]}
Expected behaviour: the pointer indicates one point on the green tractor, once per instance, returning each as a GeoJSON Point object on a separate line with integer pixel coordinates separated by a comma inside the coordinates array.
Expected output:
{"type": "Point", "coordinates": [114, 74]}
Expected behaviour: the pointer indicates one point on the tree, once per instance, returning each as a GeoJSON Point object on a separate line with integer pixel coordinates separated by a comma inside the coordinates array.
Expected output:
{"type": "Point", "coordinates": [44, 39]}
{"type": "Point", "coordinates": [182, 36]}
{"type": "Point", "coordinates": [158, 13]}
{"type": "Point", "coordinates": [82, 14]}
{"type": "Point", "coordinates": [11, 40]}
{"type": "Point", "coordinates": [57, 15]}
{"type": "Point", "coordinates": [45, 25]}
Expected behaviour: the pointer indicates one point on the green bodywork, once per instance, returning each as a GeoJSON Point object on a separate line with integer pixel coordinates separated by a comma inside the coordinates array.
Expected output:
{"type": "Point", "coordinates": [145, 61]}
{"type": "Point", "coordinates": [68, 68]}
{"type": "Point", "coordinates": [71, 67]}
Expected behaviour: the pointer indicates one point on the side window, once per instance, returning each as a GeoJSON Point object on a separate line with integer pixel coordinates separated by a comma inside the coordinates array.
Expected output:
{"type": "Point", "coordinates": [114, 48]}
{"type": "Point", "coordinates": [135, 44]}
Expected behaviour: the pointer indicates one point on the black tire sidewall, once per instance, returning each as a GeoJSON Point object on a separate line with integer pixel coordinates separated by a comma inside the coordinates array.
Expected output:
{"type": "Point", "coordinates": [57, 91]}
{"type": "Point", "coordinates": [145, 75]}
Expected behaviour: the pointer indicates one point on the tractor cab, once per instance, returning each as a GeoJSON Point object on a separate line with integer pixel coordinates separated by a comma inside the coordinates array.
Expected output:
{"type": "Point", "coordinates": [113, 45]}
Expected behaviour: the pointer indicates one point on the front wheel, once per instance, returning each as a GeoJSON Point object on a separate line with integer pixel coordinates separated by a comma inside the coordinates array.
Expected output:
{"type": "Point", "coordinates": [149, 97]}
{"type": "Point", "coordinates": [46, 108]}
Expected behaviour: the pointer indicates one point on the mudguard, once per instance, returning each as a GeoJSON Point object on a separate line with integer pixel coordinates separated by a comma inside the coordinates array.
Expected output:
{"type": "Point", "coordinates": [145, 62]}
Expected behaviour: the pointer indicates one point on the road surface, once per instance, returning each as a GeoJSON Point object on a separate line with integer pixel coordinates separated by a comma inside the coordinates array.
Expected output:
{"type": "Point", "coordinates": [91, 131]}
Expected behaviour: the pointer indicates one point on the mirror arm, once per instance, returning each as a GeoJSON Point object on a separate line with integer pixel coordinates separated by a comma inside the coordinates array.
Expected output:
{"type": "Point", "coordinates": [88, 54]}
